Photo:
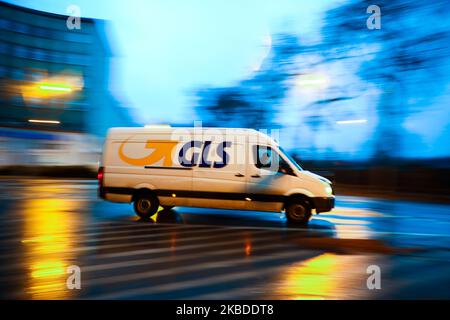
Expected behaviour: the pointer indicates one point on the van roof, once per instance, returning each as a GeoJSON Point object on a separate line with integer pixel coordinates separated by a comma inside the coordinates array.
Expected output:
{"type": "Point", "coordinates": [170, 129]}
{"type": "Point", "coordinates": [121, 131]}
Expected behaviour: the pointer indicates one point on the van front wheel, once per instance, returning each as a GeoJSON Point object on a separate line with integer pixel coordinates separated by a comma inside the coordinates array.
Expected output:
{"type": "Point", "coordinates": [145, 205]}
{"type": "Point", "coordinates": [298, 211]}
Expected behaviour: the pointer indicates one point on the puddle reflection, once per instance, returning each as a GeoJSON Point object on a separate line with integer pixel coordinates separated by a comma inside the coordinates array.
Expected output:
{"type": "Point", "coordinates": [326, 276]}
{"type": "Point", "coordinates": [49, 234]}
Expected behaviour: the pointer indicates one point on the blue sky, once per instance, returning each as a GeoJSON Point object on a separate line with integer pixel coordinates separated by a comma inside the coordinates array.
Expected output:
{"type": "Point", "coordinates": [167, 49]}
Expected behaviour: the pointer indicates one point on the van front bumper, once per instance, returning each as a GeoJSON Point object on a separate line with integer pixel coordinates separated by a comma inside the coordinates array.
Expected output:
{"type": "Point", "coordinates": [323, 204]}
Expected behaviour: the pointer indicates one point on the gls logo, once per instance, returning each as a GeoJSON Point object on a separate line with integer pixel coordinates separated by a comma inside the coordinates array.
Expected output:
{"type": "Point", "coordinates": [163, 149]}
{"type": "Point", "coordinates": [204, 163]}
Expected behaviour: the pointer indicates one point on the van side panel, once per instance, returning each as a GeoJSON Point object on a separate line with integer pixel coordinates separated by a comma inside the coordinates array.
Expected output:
{"type": "Point", "coordinates": [130, 164]}
{"type": "Point", "coordinates": [207, 173]}
{"type": "Point", "coordinates": [220, 183]}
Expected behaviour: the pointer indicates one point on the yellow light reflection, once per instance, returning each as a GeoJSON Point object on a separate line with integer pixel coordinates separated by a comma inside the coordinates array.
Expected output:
{"type": "Point", "coordinates": [49, 235]}
{"type": "Point", "coordinates": [47, 268]}
{"type": "Point", "coordinates": [327, 276]}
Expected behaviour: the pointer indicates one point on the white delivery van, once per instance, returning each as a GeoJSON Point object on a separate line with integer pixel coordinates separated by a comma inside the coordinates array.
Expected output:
{"type": "Point", "coordinates": [239, 169]}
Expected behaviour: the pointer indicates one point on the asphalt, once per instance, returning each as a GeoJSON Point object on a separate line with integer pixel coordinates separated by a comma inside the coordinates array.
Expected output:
{"type": "Point", "coordinates": [189, 253]}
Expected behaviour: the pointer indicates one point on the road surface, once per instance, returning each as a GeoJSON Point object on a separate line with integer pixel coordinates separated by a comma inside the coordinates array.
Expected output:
{"type": "Point", "coordinates": [187, 253]}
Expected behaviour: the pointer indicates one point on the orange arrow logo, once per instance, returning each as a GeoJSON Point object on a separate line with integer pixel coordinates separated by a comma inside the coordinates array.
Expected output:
{"type": "Point", "coordinates": [162, 150]}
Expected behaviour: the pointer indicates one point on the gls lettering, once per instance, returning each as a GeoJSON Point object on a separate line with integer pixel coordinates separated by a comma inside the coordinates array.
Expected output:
{"type": "Point", "coordinates": [201, 158]}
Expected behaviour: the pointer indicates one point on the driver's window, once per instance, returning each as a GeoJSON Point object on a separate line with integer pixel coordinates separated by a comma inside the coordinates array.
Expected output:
{"type": "Point", "coordinates": [284, 167]}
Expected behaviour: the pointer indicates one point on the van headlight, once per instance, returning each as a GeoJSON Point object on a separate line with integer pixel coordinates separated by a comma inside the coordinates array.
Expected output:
{"type": "Point", "coordinates": [328, 188]}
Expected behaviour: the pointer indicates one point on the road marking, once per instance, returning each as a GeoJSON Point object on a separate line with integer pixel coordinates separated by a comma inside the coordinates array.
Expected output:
{"type": "Point", "coordinates": [78, 238]}
{"type": "Point", "coordinates": [21, 264]}
{"type": "Point", "coordinates": [165, 259]}
{"type": "Point", "coordinates": [122, 245]}
{"type": "Point", "coordinates": [208, 280]}
{"type": "Point", "coordinates": [255, 241]}
{"type": "Point", "coordinates": [206, 266]}
{"type": "Point", "coordinates": [118, 225]}
{"type": "Point", "coordinates": [184, 247]}
{"type": "Point", "coordinates": [312, 228]}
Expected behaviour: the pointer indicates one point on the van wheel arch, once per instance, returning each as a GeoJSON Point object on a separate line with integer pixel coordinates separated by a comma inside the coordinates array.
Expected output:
{"type": "Point", "coordinates": [298, 196]}
{"type": "Point", "coordinates": [142, 191]}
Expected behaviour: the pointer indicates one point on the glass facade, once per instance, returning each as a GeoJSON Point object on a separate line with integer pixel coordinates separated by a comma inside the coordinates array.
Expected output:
{"type": "Point", "coordinates": [51, 73]}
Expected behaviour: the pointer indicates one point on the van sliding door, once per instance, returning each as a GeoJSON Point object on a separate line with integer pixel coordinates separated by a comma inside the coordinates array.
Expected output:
{"type": "Point", "coordinates": [219, 179]}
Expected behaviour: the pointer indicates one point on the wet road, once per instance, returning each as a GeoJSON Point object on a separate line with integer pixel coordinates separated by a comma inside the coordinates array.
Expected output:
{"type": "Point", "coordinates": [187, 253]}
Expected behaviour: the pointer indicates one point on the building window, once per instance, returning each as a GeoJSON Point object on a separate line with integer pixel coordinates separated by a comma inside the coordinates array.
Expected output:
{"type": "Point", "coordinates": [41, 32]}
{"type": "Point", "coordinates": [18, 74]}
{"type": "Point", "coordinates": [39, 54]}
{"type": "Point", "coordinates": [37, 76]}
{"type": "Point", "coordinates": [20, 51]}
{"type": "Point", "coordinates": [4, 48]}
{"type": "Point", "coordinates": [3, 23]}
{"type": "Point", "coordinates": [22, 28]}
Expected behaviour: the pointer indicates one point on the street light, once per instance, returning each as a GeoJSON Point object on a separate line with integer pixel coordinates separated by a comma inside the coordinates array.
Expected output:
{"type": "Point", "coordinates": [355, 121]}
{"type": "Point", "coordinates": [44, 121]}
{"type": "Point", "coordinates": [313, 81]}
{"type": "Point", "coordinates": [56, 87]}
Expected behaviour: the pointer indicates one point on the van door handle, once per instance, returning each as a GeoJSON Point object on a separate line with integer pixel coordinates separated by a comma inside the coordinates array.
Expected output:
{"type": "Point", "coordinates": [256, 176]}
{"type": "Point", "coordinates": [240, 175]}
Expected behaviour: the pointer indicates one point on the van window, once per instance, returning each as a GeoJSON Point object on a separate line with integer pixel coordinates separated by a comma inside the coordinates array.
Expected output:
{"type": "Point", "coordinates": [267, 158]}
{"type": "Point", "coordinates": [263, 156]}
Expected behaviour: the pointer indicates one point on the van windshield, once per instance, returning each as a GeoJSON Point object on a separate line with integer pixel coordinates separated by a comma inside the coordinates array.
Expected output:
{"type": "Point", "coordinates": [291, 159]}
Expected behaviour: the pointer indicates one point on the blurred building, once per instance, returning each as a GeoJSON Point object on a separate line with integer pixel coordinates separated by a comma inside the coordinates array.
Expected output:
{"type": "Point", "coordinates": [55, 102]}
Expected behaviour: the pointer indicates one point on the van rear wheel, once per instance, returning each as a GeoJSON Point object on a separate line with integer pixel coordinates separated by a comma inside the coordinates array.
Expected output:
{"type": "Point", "coordinates": [298, 211]}
{"type": "Point", "coordinates": [145, 205]}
